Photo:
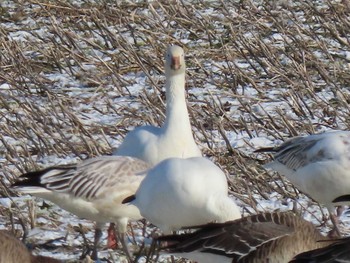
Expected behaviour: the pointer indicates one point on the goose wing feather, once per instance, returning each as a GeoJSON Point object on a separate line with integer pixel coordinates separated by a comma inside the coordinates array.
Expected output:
{"type": "Point", "coordinates": [88, 179]}
{"type": "Point", "coordinates": [235, 239]}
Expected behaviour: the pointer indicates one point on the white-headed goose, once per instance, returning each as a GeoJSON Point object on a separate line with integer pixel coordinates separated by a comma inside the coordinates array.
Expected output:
{"type": "Point", "coordinates": [174, 139]}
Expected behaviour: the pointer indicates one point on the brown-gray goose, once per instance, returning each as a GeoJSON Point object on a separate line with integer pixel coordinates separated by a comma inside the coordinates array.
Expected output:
{"type": "Point", "coordinates": [14, 251]}
{"type": "Point", "coordinates": [267, 237]}
{"type": "Point", "coordinates": [339, 251]}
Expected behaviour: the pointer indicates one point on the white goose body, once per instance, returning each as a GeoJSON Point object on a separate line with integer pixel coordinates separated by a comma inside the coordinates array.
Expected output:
{"type": "Point", "coordinates": [318, 165]}
{"type": "Point", "coordinates": [174, 139]}
{"type": "Point", "coordinates": [184, 192]}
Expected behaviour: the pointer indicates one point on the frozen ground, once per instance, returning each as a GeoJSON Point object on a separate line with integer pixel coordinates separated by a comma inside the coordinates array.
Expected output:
{"type": "Point", "coordinates": [77, 75]}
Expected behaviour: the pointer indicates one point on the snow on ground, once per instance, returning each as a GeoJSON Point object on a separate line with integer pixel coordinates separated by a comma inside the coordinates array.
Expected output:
{"type": "Point", "coordinates": [100, 101]}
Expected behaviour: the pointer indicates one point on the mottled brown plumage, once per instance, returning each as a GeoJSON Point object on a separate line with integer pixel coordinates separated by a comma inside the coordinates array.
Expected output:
{"type": "Point", "coordinates": [14, 251]}
{"type": "Point", "coordinates": [267, 237]}
{"type": "Point", "coordinates": [339, 251]}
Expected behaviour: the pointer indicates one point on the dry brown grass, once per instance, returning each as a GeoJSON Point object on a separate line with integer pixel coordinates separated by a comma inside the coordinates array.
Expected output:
{"type": "Point", "coordinates": [97, 45]}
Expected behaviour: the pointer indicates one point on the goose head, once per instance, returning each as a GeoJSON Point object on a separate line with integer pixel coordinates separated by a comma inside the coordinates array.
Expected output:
{"type": "Point", "coordinates": [175, 61]}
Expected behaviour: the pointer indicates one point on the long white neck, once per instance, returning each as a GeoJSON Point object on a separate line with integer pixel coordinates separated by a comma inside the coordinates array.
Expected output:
{"type": "Point", "coordinates": [177, 119]}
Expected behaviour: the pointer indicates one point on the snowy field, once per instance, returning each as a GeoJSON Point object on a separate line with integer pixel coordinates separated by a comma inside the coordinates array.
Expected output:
{"type": "Point", "coordinates": [76, 76]}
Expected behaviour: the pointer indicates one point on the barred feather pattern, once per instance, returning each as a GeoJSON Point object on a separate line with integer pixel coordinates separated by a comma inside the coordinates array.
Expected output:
{"type": "Point", "coordinates": [293, 153]}
{"type": "Point", "coordinates": [91, 177]}
{"type": "Point", "coordinates": [336, 252]}
{"type": "Point", "coordinates": [318, 165]}
{"type": "Point", "coordinates": [269, 236]}
{"type": "Point", "coordinates": [301, 151]}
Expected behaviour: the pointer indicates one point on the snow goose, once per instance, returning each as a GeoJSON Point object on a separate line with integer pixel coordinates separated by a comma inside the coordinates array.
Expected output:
{"type": "Point", "coordinates": [93, 189]}
{"type": "Point", "coordinates": [184, 192]}
{"type": "Point", "coordinates": [318, 165]}
{"type": "Point", "coordinates": [267, 237]}
{"type": "Point", "coordinates": [337, 252]}
{"type": "Point", "coordinates": [14, 251]}
{"type": "Point", "coordinates": [174, 139]}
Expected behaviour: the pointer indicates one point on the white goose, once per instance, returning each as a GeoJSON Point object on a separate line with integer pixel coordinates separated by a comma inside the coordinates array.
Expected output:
{"type": "Point", "coordinates": [174, 139]}
{"type": "Point", "coordinates": [93, 189]}
{"type": "Point", "coordinates": [184, 192]}
{"type": "Point", "coordinates": [318, 165]}
{"type": "Point", "coordinates": [148, 143]}
{"type": "Point", "coordinates": [268, 237]}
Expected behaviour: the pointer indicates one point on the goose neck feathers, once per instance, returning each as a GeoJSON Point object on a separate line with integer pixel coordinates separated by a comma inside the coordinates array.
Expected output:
{"type": "Point", "coordinates": [174, 138]}
{"type": "Point", "coordinates": [176, 109]}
